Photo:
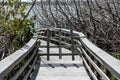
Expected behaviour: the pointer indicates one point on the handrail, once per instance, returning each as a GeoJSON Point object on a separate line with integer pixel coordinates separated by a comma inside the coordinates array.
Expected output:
{"type": "Point", "coordinates": [112, 64]}
{"type": "Point", "coordinates": [100, 65]}
{"type": "Point", "coordinates": [18, 61]}
{"type": "Point", "coordinates": [97, 61]}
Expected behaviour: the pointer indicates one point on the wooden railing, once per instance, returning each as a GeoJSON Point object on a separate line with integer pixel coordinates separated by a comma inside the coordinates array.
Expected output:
{"type": "Point", "coordinates": [20, 64]}
{"type": "Point", "coordinates": [99, 64]}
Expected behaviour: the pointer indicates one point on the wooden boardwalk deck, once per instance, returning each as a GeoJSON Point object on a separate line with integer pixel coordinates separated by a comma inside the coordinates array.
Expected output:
{"type": "Point", "coordinates": [29, 63]}
{"type": "Point", "coordinates": [60, 69]}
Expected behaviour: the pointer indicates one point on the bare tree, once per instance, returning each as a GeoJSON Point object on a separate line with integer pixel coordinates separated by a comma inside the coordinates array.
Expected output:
{"type": "Point", "coordinates": [98, 19]}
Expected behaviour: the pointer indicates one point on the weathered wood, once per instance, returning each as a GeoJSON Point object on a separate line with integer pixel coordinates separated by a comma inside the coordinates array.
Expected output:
{"type": "Point", "coordinates": [92, 57]}
{"type": "Point", "coordinates": [61, 73]}
{"type": "Point", "coordinates": [95, 66]}
{"type": "Point", "coordinates": [24, 66]}
{"type": "Point", "coordinates": [98, 54]}
{"type": "Point", "coordinates": [48, 41]}
{"type": "Point", "coordinates": [112, 64]}
{"type": "Point", "coordinates": [72, 44]}
{"type": "Point", "coordinates": [61, 69]}
{"type": "Point", "coordinates": [89, 69]}
{"type": "Point", "coordinates": [7, 64]}
{"type": "Point", "coordinates": [32, 67]}
{"type": "Point", "coordinates": [60, 44]}
{"type": "Point", "coordinates": [53, 50]}
{"type": "Point", "coordinates": [57, 54]}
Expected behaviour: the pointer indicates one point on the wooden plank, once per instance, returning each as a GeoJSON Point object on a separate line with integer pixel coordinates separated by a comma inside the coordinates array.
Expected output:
{"type": "Point", "coordinates": [52, 50]}
{"type": "Point", "coordinates": [15, 77]}
{"type": "Point", "coordinates": [48, 41]}
{"type": "Point", "coordinates": [56, 46]}
{"type": "Point", "coordinates": [63, 70]}
{"type": "Point", "coordinates": [56, 54]}
{"type": "Point", "coordinates": [103, 57]}
{"type": "Point", "coordinates": [49, 46]}
{"type": "Point", "coordinates": [108, 61]}
{"type": "Point", "coordinates": [102, 74]}
{"type": "Point", "coordinates": [29, 72]}
{"type": "Point", "coordinates": [89, 69]}
{"type": "Point", "coordinates": [7, 64]}
{"type": "Point", "coordinates": [60, 44]}
{"type": "Point", "coordinates": [72, 44]}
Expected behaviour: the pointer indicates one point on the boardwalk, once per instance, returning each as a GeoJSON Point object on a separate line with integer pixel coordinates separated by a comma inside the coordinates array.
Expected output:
{"type": "Point", "coordinates": [61, 69]}
{"type": "Point", "coordinates": [53, 62]}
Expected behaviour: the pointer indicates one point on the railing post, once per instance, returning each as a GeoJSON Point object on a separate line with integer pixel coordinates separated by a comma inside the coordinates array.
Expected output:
{"type": "Point", "coordinates": [48, 40]}
{"type": "Point", "coordinates": [60, 56]}
{"type": "Point", "coordinates": [72, 44]}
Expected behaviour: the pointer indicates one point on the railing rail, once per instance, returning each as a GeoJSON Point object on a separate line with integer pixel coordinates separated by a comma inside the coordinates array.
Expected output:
{"type": "Point", "coordinates": [19, 64]}
{"type": "Point", "coordinates": [100, 65]}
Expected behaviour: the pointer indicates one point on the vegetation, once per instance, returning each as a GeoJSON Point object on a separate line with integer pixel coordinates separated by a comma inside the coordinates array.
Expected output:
{"type": "Point", "coordinates": [15, 28]}
{"type": "Point", "coordinates": [97, 19]}
{"type": "Point", "coordinates": [117, 55]}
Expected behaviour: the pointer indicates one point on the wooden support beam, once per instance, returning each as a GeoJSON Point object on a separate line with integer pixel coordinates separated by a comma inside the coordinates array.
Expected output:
{"type": "Point", "coordinates": [48, 41]}
{"type": "Point", "coordinates": [60, 51]}
{"type": "Point", "coordinates": [72, 44]}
